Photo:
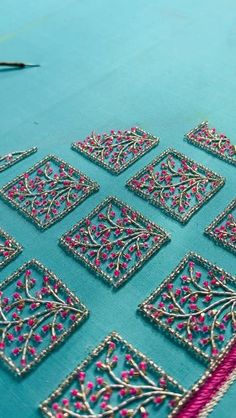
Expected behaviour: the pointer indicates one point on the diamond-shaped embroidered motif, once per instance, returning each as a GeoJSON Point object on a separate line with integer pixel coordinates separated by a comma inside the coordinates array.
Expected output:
{"type": "Point", "coordinates": [223, 229]}
{"type": "Point", "coordinates": [114, 240]}
{"type": "Point", "coordinates": [115, 381]}
{"type": "Point", "coordinates": [9, 248]}
{"type": "Point", "coordinates": [10, 159]}
{"type": "Point", "coordinates": [197, 305]}
{"type": "Point", "coordinates": [37, 312]}
{"type": "Point", "coordinates": [48, 191]}
{"type": "Point", "coordinates": [176, 184]}
{"type": "Point", "coordinates": [117, 150]}
{"type": "Point", "coordinates": [210, 140]}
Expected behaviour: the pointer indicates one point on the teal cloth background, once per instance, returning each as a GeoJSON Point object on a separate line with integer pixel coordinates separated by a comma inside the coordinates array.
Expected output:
{"type": "Point", "coordinates": [165, 66]}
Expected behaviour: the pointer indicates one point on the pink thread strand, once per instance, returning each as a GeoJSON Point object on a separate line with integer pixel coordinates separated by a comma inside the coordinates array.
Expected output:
{"type": "Point", "coordinates": [210, 387]}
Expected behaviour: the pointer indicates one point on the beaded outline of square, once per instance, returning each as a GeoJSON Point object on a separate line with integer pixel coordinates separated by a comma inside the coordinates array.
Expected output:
{"type": "Point", "coordinates": [90, 358]}
{"type": "Point", "coordinates": [209, 230]}
{"type": "Point", "coordinates": [23, 154]}
{"type": "Point", "coordinates": [205, 147]}
{"type": "Point", "coordinates": [185, 218]}
{"type": "Point", "coordinates": [42, 269]}
{"type": "Point", "coordinates": [39, 224]}
{"type": "Point", "coordinates": [170, 331]}
{"type": "Point", "coordinates": [99, 272]}
{"type": "Point", "coordinates": [127, 164]}
{"type": "Point", "coordinates": [18, 249]}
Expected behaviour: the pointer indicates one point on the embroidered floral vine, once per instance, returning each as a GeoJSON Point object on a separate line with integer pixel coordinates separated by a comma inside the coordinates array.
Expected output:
{"type": "Point", "coordinates": [116, 150]}
{"type": "Point", "coordinates": [223, 228]}
{"type": "Point", "coordinates": [197, 304]}
{"type": "Point", "coordinates": [14, 157]}
{"type": "Point", "coordinates": [9, 248]}
{"type": "Point", "coordinates": [48, 191]}
{"type": "Point", "coordinates": [114, 240]}
{"type": "Point", "coordinates": [213, 141]}
{"type": "Point", "coordinates": [37, 311]}
{"type": "Point", "coordinates": [176, 184]}
{"type": "Point", "coordinates": [115, 381]}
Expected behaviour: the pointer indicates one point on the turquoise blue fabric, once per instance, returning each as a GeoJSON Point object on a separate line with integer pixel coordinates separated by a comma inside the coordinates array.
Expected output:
{"type": "Point", "coordinates": [164, 66]}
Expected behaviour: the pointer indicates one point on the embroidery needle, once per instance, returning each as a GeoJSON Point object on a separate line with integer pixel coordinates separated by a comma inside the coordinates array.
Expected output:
{"type": "Point", "coordinates": [17, 64]}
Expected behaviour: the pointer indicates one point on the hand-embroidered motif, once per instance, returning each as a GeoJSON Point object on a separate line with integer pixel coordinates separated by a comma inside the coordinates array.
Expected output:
{"type": "Point", "coordinates": [115, 381]}
{"type": "Point", "coordinates": [210, 140]}
{"type": "Point", "coordinates": [117, 150]}
{"type": "Point", "coordinates": [223, 229]}
{"type": "Point", "coordinates": [9, 248]}
{"type": "Point", "coordinates": [37, 312]}
{"type": "Point", "coordinates": [197, 305]}
{"type": "Point", "coordinates": [48, 191]}
{"type": "Point", "coordinates": [10, 159]}
{"type": "Point", "coordinates": [114, 240]}
{"type": "Point", "coordinates": [176, 184]}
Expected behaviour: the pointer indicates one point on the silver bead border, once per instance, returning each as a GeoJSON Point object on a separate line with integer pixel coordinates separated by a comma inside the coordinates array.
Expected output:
{"type": "Point", "coordinates": [24, 155]}
{"type": "Point", "coordinates": [117, 171]}
{"type": "Point", "coordinates": [142, 308]}
{"type": "Point", "coordinates": [209, 230]}
{"type": "Point", "coordinates": [18, 250]}
{"type": "Point", "coordinates": [64, 244]}
{"type": "Point", "coordinates": [38, 223]}
{"type": "Point", "coordinates": [185, 218]}
{"type": "Point", "coordinates": [85, 364]}
{"type": "Point", "coordinates": [205, 147]}
{"type": "Point", "coordinates": [42, 269]}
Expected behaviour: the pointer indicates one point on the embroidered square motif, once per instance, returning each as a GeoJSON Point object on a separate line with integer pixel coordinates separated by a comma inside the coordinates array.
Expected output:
{"type": "Point", "coordinates": [115, 380]}
{"type": "Point", "coordinates": [9, 248]}
{"type": "Point", "coordinates": [37, 312]}
{"type": "Point", "coordinates": [210, 140]}
{"type": "Point", "coordinates": [176, 184]}
{"type": "Point", "coordinates": [223, 229]}
{"type": "Point", "coordinates": [117, 150]}
{"type": "Point", "coordinates": [48, 191]}
{"type": "Point", "coordinates": [196, 305]}
{"type": "Point", "coordinates": [10, 159]}
{"type": "Point", "coordinates": [114, 240]}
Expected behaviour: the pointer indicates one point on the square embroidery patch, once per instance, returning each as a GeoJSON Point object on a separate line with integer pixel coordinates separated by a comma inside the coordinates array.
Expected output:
{"type": "Point", "coordinates": [176, 184]}
{"type": "Point", "coordinates": [9, 248]}
{"type": "Point", "coordinates": [114, 240]}
{"type": "Point", "coordinates": [48, 191]}
{"type": "Point", "coordinates": [196, 304]}
{"type": "Point", "coordinates": [210, 140]}
{"type": "Point", "coordinates": [115, 381]}
{"type": "Point", "coordinates": [37, 312]}
{"type": "Point", "coordinates": [223, 229]}
{"type": "Point", "coordinates": [10, 159]}
{"type": "Point", "coordinates": [117, 150]}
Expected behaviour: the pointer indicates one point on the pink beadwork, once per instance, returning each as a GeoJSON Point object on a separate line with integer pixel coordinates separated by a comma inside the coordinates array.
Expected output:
{"type": "Point", "coordinates": [199, 307]}
{"type": "Point", "coordinates": [213, 141]}
{"type": "Point", "coordinates": [116, 150]}
{"type": "Point", "coordinates": [112, 390]}
{"type": "Point", "coordinates": [9, 248]}
{"type": "Point", "coordinates": [34, 315]}
{"type": "Point", "coordinates": [48, 191]}
{"type": "Point", "coordinates": [176, 184]}
{"type": "Point", "coordinates": [114, 240]}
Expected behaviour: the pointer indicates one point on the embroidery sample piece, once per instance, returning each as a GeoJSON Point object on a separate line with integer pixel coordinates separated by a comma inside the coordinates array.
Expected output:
{"type": "Point", "coordinates": [117, 150]}
{"type": "Point", "coordinates": [9, 248]}
{"type": "Point", "coordinates": [176, 184]}
{"type": "Point", "coordinates": [197, 305]}
{"type": "Point", "coordinates": [115, 381]}
{"type": "Point", "coordinates": [10, 159]}
{"type": "Point", "coordinates": [37, 312]}
{"type": "Point", "coordinates": [48, 191]}
{"type": "Point", "coordinates": [114, 240]}
{"type": "Point", "coordinates": [223, 229]}
{"type": "Point", "coordinates": [210, 140]}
